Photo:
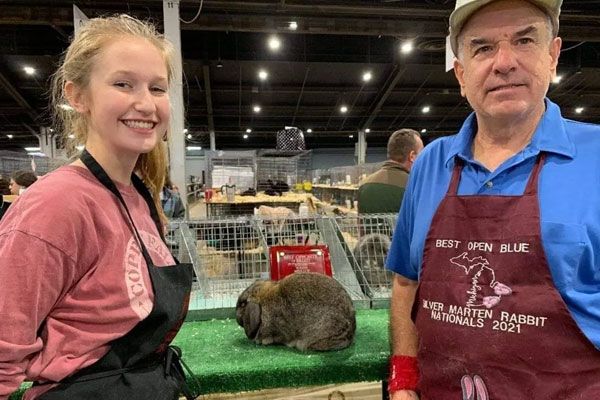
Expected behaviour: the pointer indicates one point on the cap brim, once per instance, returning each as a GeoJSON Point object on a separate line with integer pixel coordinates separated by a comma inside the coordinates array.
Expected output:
{"type": "Point", "coordinates": [460, 16]}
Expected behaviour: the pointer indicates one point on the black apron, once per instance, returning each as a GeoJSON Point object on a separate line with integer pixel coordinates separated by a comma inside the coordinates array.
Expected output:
{"type": "Point", "coordinates": [140, 365]}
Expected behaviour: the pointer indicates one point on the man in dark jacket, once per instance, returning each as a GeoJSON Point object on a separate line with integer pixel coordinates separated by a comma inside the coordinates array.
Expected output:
{"type": "Point", "coordinates": [382, 191]}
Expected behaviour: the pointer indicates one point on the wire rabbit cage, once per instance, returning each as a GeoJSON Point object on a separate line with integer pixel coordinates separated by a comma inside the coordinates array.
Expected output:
{"type": "Point", "coordinates": [228, 254]}
{"type": "Point", "coordinates": [12, 161]}
{"type": "Point", "coordinates": [367, 239]}
{"type": "Point", "coordinates": [349, 175]}
{"type": "Point", "coordinates": [232, 168]}
{"type": "Point", "coordinates": [290, 167]}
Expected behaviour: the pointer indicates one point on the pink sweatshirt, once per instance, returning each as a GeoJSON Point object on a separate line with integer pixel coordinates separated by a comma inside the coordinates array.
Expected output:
{"type": "Point", "coordinates": [72, 277]}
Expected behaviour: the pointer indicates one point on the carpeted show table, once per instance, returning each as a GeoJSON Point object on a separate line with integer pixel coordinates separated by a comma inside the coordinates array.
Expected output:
{"type": "Point", "coordinates": [225, 361]}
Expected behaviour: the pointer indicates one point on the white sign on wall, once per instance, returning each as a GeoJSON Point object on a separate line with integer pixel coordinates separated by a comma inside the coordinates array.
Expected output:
{"type": "Point", "coordinates": [449, 55]}
{"type": "Point", "coordinates": [79, 18]}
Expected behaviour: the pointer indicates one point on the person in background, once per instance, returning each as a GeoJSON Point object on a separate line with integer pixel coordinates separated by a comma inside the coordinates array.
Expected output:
{"type": "Point", "coordinates": [499, 229]}
{"type": "Point", "coordinates": [20, 181]}
{"type": "Point", "coordinates": [171, 200]}
{"type": "Point", "coordinates": [4, 186]}
{"type": "Point", "coordinates": [91, 296]}
{"type": "Point", "coordinates": [382, 191]}
{"type": "Point", "coordinates": [4, 191]}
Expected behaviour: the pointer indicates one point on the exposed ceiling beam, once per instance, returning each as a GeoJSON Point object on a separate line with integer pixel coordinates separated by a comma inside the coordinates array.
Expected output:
{"type": "Point", "coordinates": [384, 93]}
{"type": "Point", "coordinates": [331, 25]}
{"type": "Point", "coordinates": [322, 89]}
{"type": "Point", "coordinates": [248, 16]}
{"type": "Point", "coordinates": [14, 93]}
{"type": "Point", "coordinates": [207, 91]}
{"type": "Point", "coordinates": [300, 95]}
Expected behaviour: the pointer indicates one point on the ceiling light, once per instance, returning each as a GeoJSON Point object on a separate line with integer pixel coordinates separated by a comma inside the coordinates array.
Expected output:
{"type": "Point", "coordinates": [245, 136]}
{"type": "Point", "coordinates": [71, 136]}
{"type": "Point", "coordinates": [256, 109]}
{"type": "Point", "coordinates": [423, 130]}
{"type": "Point", "coordinates": [293, 25]}
{"type": "Point", "coordinates": [185, 131]}
{"type": "Point", "coordinates": [579, 110]}
{"type": "Point", "coordinates": [350, 136]}
{"type": "Point", "coordinates": [29, 70]}
{"type": "Point", "coordinates": [426, 109]}
{"type": "Point", "coordinates": [9, 136]}
{"type": "Point", "coordinates": [32, 148]}
{"type": "Point", "coordinates": [406, 47]}
{"type": "Point", "coordinates": [219, 64]}
{"type": "Point", "coordinates": [80, 147]}
{"type": "Point", "coordinates": [343, 109]}
{"type": "Point", "coordinates": [192, 148]}
{"type": "Point", "coordinates": [367, 130]}
{"type": "Point", "coordinates": [367, 76]}
{"type": "Point", "coordinates": [248, 130]}
{"type": "Point", "coordinates": [557, 79]}
{"type": "Point", "coordinates": [262, 74]}
{"type": "Point", "coordinates": [66, 107]}
{"type": "Point", "coordinates": [274, 43]}
{"type": "Point", "coordinates": [309, 130]}
{"type": "Point", "coordinates": [189, 136]}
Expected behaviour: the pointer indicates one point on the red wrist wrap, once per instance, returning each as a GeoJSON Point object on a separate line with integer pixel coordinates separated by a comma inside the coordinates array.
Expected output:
{"type": "Point", "coordinates": [404, 373]}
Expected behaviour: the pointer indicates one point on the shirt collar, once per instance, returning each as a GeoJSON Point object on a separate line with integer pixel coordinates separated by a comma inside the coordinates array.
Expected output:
{"type": "Point", "coordinates": [549, 136]}
{"type": "Point", "coordinates": [390, 164]}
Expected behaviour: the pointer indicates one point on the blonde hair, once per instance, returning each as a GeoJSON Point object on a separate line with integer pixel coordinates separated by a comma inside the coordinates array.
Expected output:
{"type": "Point", "coordinates": [76, 66]}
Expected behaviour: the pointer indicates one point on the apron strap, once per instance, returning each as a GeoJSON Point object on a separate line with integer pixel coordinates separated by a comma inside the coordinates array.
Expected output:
{"type": "Point", "coordinates": [96, 169]}
{"type": "Point", "coordinates": [530, 189]}
{"type": "Point", "coordinates": [145, 193]}
{"type": "Point", "coordinates": [458, 167]}
{"type": "Point", "coordinates": [532, 183]}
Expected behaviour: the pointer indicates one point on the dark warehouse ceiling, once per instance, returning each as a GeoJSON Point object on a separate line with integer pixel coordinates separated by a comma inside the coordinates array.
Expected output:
{"type": "Point", "coordinates": [317, 70]}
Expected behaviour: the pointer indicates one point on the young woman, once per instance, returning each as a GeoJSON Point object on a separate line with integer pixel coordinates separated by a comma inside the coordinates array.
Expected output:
{"type": "Point", "coordinates": [90, 297]}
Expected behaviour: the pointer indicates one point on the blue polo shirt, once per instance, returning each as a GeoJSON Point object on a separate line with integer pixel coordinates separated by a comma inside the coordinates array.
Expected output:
{"type": "Point", "coordinates": [569, 193]}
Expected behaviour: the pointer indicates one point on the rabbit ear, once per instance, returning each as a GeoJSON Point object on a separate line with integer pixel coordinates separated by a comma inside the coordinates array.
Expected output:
{"type": "Point", "coordinates": [468, 388]}
{"type": "Point", "coordinates": [482, 393]}
{"type": "Point", "coordinates": [251, 319]}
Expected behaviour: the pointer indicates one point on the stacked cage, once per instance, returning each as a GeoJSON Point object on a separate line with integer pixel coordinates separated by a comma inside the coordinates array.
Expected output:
{"type": "Point", "coordinates": [232, 168]}
{"type": "Point", "coordinates": [346, 175]}
{"type": "Point", "coordinates": [290, 167]}
{"type": "Point", "coordinates": [367, 169]}
{"type": "Point", "coordinates": [339, 185]}
{"type": "Point", "coordinates": [12, 161]}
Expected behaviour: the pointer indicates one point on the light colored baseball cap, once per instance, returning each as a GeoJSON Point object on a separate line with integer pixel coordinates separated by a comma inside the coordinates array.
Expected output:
{"type": "Point", "coordinates": [466, 8]}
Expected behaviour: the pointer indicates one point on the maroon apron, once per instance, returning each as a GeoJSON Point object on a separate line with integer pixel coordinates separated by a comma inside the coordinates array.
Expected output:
{"type": "Point", "coordinates": [491, 323]}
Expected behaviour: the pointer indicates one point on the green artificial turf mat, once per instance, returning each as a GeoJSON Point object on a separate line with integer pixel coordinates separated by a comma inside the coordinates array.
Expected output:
{"type": "Point", "coordinates": [225, 361]}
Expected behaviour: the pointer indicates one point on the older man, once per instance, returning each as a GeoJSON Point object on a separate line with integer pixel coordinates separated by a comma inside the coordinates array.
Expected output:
{"type": "Point", "coordinates": [382, 191]}
{"type": "Point", "coordinates": [499, 229]}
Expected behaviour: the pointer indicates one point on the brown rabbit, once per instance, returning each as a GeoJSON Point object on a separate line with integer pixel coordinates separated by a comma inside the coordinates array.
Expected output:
{"type": "Point", "coordinates": [305, 310]}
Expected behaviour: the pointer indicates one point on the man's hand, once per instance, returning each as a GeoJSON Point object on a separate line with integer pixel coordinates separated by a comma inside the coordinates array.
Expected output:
{"type": "Point", "coordinates": [404, 395]}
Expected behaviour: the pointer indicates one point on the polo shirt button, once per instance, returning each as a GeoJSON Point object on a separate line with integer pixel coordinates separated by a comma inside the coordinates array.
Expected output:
{"type": "Point", "coordinates": [489, 184]}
